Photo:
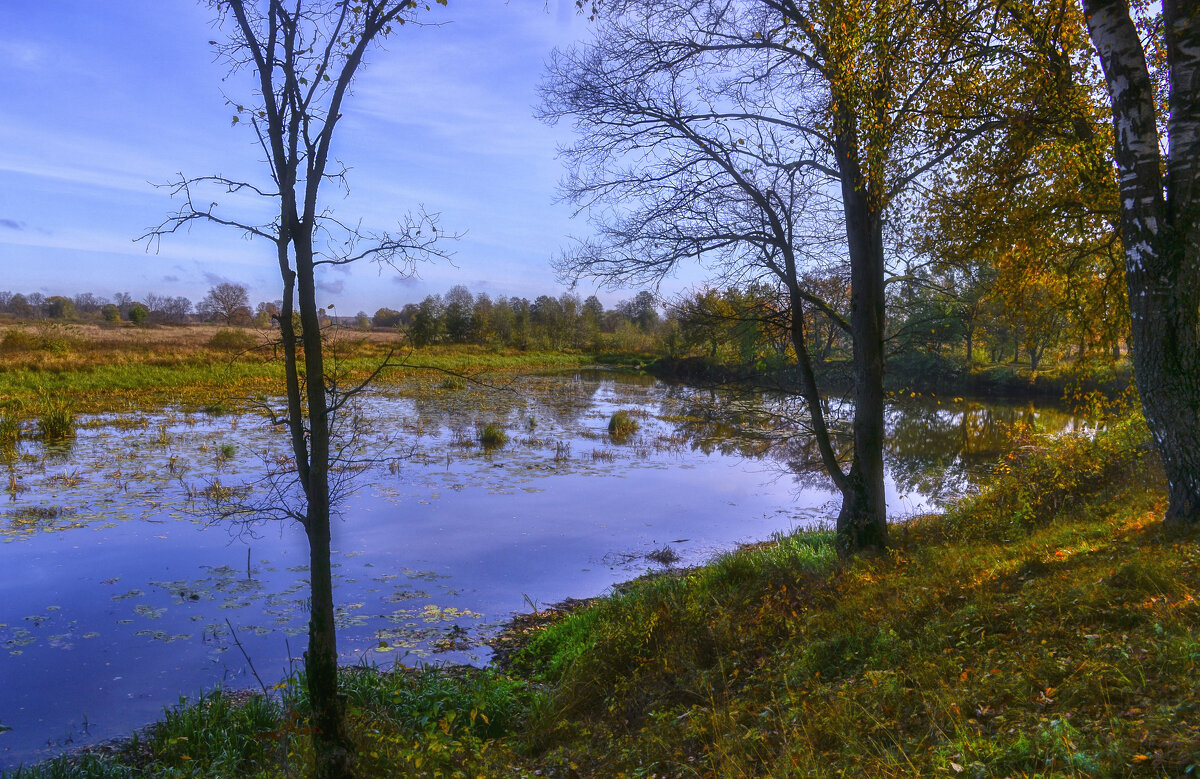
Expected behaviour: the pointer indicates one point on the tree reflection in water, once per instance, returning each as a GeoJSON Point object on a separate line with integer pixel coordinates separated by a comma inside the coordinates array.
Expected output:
{"type": "Point", "coordinates": [937, 448]}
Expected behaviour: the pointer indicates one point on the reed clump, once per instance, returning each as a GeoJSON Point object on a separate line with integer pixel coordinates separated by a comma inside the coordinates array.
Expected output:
{"type": "Point", "coordinates": [622, 424]}
{"type": "Point", "coordinates": [56, 423]}
{"type": "Point", "coordinates": [492, 436]}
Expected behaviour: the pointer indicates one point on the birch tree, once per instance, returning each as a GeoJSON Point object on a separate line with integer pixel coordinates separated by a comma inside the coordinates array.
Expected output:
{"type": "Point", "coordinates": [1158, 170]}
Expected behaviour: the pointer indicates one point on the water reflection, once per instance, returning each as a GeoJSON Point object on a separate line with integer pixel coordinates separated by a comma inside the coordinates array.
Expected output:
{"type": "Point", "coordinates": [117, 596]}
{"type": "Point", "coordinates": [938, 449]}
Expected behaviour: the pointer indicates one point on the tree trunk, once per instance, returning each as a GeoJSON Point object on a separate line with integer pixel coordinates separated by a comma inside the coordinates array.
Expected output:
{"type": "Point", "coordinates": [862, 521]}
{"type": "Point", "coordinates": [1160, 227]}
{"type": "Point", "coordinates": [331, 743]}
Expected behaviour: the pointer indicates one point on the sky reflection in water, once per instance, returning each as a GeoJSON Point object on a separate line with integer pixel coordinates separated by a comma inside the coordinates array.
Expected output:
{"type": "Point", "coordinates": [116, 597]}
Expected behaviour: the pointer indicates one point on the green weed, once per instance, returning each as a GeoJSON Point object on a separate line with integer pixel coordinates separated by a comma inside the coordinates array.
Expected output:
{"type": "Point", "coordinates": [10, 434]}
{"type": "Point", "coordinates": [622, 424]}
{"type": "Point", "coordinates": [56, 423]}
{"type": "Point", "coordinates": [226, 734]}
{"type": "Point", "coordinates": [492, 436]}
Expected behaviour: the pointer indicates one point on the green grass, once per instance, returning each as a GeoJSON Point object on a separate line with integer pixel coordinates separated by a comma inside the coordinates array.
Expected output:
{"type": "Point", "coordinates": [622, 424]}
{"type": "Point", "coordinates": [10, 433]}
{"type": "Point", "coordinates": [1048, 627]}
{"type": "Point", "coordinates": [492, 436]}
{"type": "Point", "coordinates": [56, 423]}
{"type": "Point", "coordinates": [97, 380]}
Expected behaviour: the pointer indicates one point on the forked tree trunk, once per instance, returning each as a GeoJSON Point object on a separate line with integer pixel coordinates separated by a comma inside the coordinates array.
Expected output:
{"type": "Point", "coordinates": [1160, 227]}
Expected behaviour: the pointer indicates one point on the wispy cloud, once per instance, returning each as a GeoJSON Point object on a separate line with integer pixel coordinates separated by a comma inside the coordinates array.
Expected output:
{"type": "Point", "coordinates": [12, 224]}
{"type": "Point", "coordinates": [22, 54]}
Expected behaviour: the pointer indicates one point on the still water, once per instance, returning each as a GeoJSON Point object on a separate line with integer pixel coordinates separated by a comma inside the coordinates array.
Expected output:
{"type": "Point", "coordinates": [119, 592]}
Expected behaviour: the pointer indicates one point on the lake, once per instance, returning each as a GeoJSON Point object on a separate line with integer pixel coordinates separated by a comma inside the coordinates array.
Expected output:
{"type": "Point", "coordinates": [119, 594]}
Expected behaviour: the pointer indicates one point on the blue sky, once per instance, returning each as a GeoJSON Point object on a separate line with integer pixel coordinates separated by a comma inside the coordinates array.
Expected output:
{"type": "Point", "coordinates": [101, 99]}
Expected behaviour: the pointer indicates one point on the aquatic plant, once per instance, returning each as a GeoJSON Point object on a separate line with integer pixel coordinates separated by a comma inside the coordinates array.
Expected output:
{"type": "Point", "coordinates": [56, 423]}
{"type": "Point", "coordinates": [622, 424]}
{"type": "Point", "coordinates": [492, 436]}
{"type": "Point", "coordinates": [10, 433]}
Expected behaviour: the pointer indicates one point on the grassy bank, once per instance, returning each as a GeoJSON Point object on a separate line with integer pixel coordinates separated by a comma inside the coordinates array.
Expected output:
{"type": "Point", "coordinates": [90, 368]}
{"type": "Point", "coordinates": [1047, 627]}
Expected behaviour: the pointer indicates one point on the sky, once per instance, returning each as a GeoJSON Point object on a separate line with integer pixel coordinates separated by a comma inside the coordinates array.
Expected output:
{"type": "Point", "coordinates": [104, 100]}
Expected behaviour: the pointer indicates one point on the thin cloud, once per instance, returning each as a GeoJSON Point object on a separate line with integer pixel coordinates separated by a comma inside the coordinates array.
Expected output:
{"type": "Point", "coordinates": [12, 224]}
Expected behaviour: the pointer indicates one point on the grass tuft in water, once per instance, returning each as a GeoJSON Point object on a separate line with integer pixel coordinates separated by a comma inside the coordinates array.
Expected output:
{"type": "Point", "coordinates": [10, 434]}
{"type": "Point", "coordinates": [492, 436]}
{"type": "Point", "coordinates": [622, 424]}
{"type": "Point", "coordinates": [56, 423]}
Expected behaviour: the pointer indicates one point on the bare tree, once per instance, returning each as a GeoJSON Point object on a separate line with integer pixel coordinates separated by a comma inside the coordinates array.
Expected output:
{"type": "Point", "coordinates": [302, 58]}
{"type": "Point", "coordinates": [226, 302]}
{"type": "Point", "coordinates": [771, 137]}
{"type": "Point", "coordinates": [1160, 226]}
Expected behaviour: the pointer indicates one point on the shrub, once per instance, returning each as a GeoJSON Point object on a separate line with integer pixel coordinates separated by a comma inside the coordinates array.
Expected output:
{"type": "Point", "coordinates": [1043, 476]}
{"type": "Point", "coordinates": [232, 340]}
{"type": "Point", "coordinates": [138, 314]}
{"type": "Point", "coordinates": [19, 339]}
{"type": "Point", "coordinates": [110, 313]}
{"type": "Point", "coordinates": [622, 424]}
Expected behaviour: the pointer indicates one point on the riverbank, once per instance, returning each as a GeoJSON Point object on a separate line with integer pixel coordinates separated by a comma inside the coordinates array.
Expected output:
{"type": "Point", "coordinates": [920, 372]}
{"type": "Point", "coordinates": [94, 368]}
{"type": "Point", "coordinates": [1046, 627]}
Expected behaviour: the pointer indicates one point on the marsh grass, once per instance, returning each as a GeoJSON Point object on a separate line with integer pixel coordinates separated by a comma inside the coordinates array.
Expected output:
{"type": "Point", "coordinates": [622, 424]}
{"type": "Point", "coordinates": [230, 339]}
{"type": "Point", "coordinates": [492, 436]}
{"type": "Point", "coordinates": [98, 368]}
{"type": "Point", "coordinates": [10, 434]}
{"type": "Point", "coordinates": [56, 423]}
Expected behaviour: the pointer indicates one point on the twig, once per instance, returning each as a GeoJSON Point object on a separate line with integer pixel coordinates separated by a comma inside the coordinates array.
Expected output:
{"type": "Point", "coordinates": [245, 654]}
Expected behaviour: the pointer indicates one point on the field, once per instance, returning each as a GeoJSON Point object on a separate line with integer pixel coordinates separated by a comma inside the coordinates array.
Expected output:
{"type": "Point", "coordinates": [93, 368]}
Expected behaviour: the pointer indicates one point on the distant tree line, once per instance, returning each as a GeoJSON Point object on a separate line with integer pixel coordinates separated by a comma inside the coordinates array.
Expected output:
{"type": "Point", "coordinates": [546, 322]}
{"type": "Point", "coordinates": [457, 317]}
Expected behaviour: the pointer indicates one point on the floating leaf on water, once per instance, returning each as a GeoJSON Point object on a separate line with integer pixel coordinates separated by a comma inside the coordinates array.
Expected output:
{"type": "Point", "coordinates": [127, 595]}
{"type": "Point", "coordinates": [149, 612]}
